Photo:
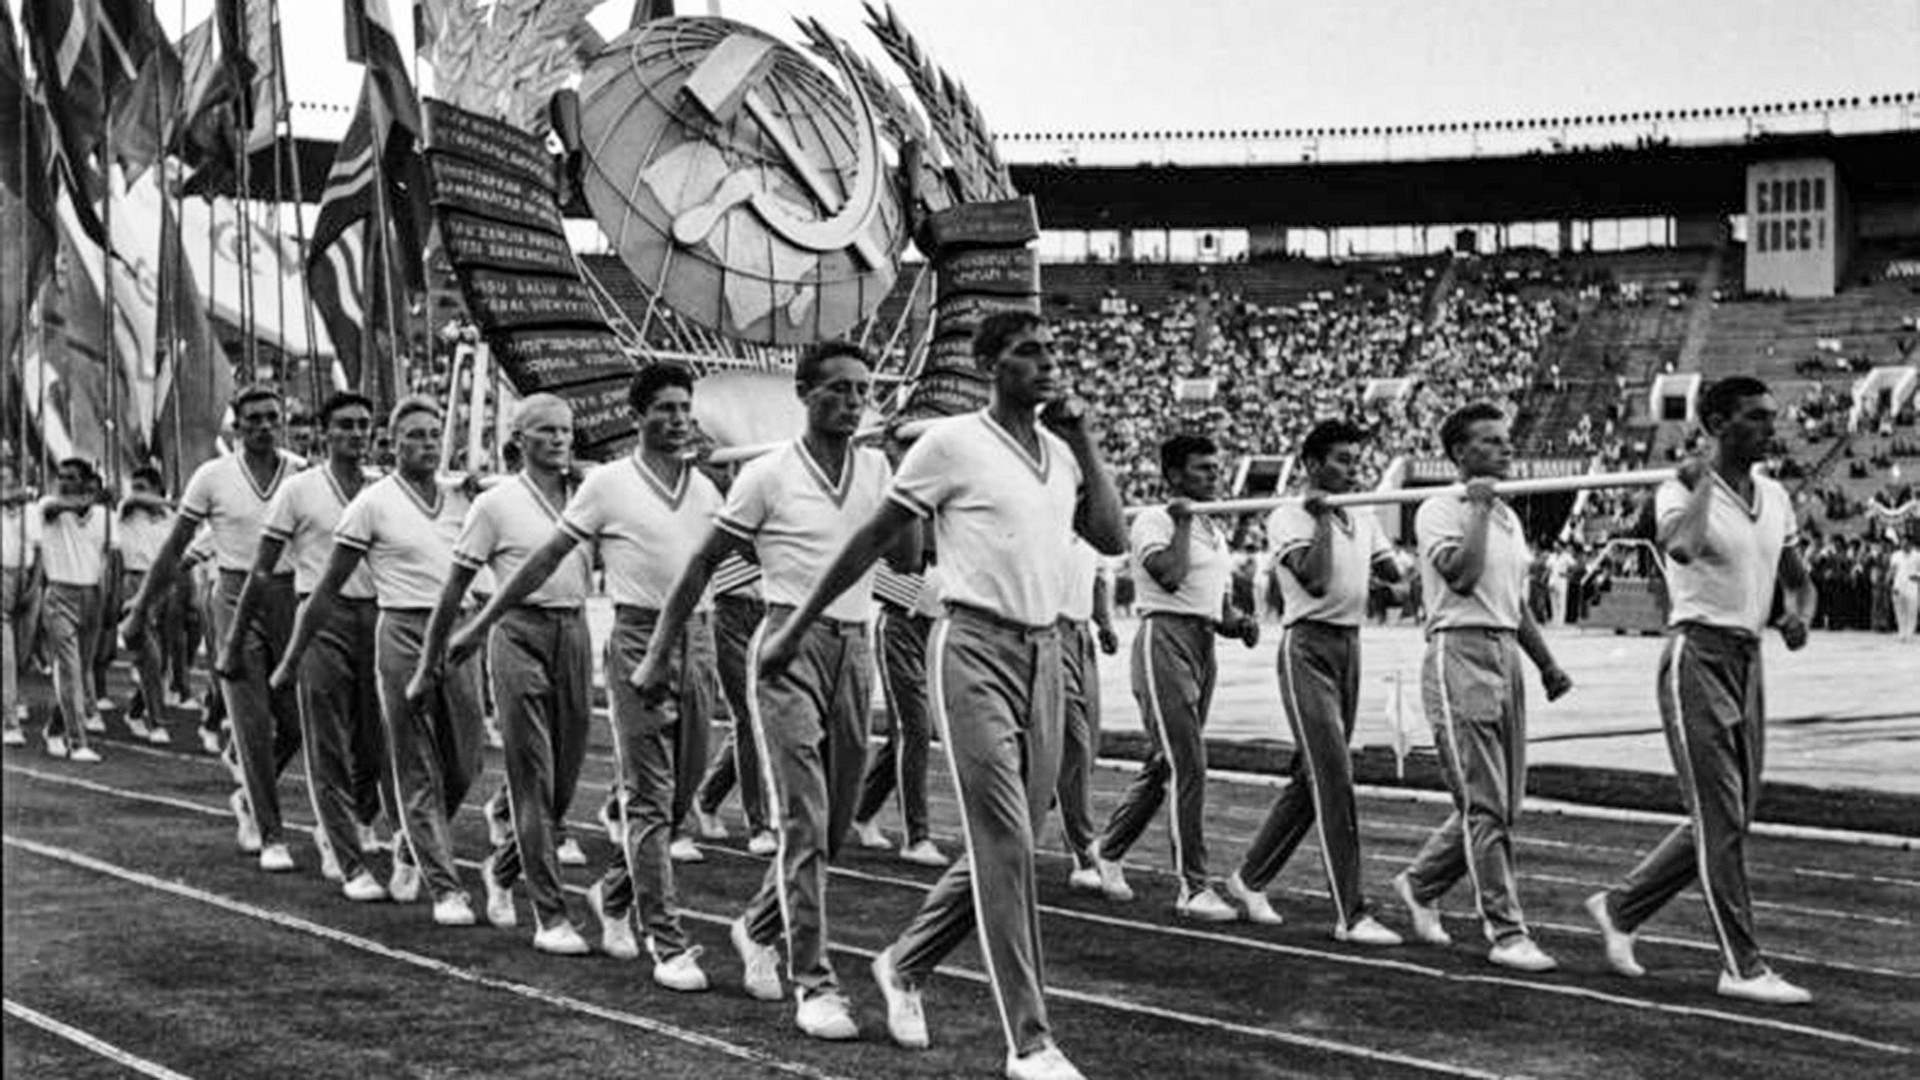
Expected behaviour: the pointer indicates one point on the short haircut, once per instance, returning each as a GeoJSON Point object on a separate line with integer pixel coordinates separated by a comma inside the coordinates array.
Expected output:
{"type": "Point", "coordinates": [806, 370]}
{"type": "Point", "coordinates": [414, 403]}
{"type": "Point", "coordinates": [343, 399]}
{"type": "Point", "coordinates": [253, 392]}
{"type": "Point", "coordinates": [650, 380]}
{"type": "Point", "coordinates": [1328, 434]}
{"type": "Point", "coordinates": [1454, 430]}
{"type": "Point", "coordinates": [149, 474]}
{"type": "Point", "coordinates": [1177, 451]}
{"type": "Point", "coordinates": [80, 463]}
{"type": "Point", "coordinates": [534, 403]}
{"type": "Point", "coordinates": [990, 340]}
{"type": "Point", "coordinates": [1722, 396]}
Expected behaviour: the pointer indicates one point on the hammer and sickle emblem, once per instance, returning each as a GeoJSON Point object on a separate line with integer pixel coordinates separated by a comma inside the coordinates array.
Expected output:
{"type": "Point", "coordinates": [724, 83]}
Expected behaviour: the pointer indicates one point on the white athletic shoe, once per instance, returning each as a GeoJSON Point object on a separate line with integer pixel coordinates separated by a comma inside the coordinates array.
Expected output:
{"type": "Point", "coordinates": [709, 825]}
{"type": "Point", "coordinates": [364, 888]}
{"type": "Point", "coordinates": [1765, 988]}
{"type": "Point", "coordinates": [825, 1015]}
{"type": "Point", "coordinates": [1366, 930]}
{"type": "Point", "coordinates": [173, 699]}
{"type": "Point", "coordinates": [906, 1016]}
{"type": "Point", "coordinates": [500, 910]}
{"type": "Point", "coordinates": [276, 859]}
{"type": "Point", "coordinates": [561, 939]}
{"type": "Point", "coordinates": [923, 854]}
{"type": "Point", "coordinates": [1426, 919]}
{"type": "Point", "coordinates": [1206, 906]}
{"type": "Point", "coordinates": [763, 843]}
{"type": "Point", "coordinates": [404, 886]}
{"type": "Point", "coordinates": [454, 909]}
{"type": "Point", "coordinates": [1259, 908]}
{"type": "Point", "coordinates": [1521, 954]}
{"type": "Point", "coordinates": [681, 972]}
{"type": "Point", "coordinates": [683, 849]}
{"type": "Point", "coordinates": [569, 853]}
{"type": "Point", "coordinates": [13, 736]}
{"type": "Point", "coordinates": [86, 755]}
{"type": "Point", "coordinates": [1047, 1063]}
{"type": "Point", "coordinates": [329, 862]}
{"type": "Point", "coordinates": [368, 839]}
{"type": "Point", "coordinates": [138, 728]}
{"type": "Point", "coordinates": [95, 723]}
{"type": "Point", "coordinates": [230, 757]}
{"type": "Point", "coordinates": [1084, 879]}
{"type": "Point", "coordinates": [210, 741]}
{"type": "Point", "coordinates": [616, 935]}
{"type": "Point", "coordinates": [1113, 879]}
{"type": "Point", "coordinates": [158, 735]}
{"type": "Point", "coordinates": [609, 822]}
{"type": "Point", "coordinates": [1619, 942]}
{"type": "Point", "coordinates": [57, 746]}
{"type": "Point", "coordinates": [871, 835]}
{"type": "Point", "coordinates": [246, 832]}
{"type": "Point", "coordinates": [760, 964]}
{"type": "Point", "coordinates": [499, 822]}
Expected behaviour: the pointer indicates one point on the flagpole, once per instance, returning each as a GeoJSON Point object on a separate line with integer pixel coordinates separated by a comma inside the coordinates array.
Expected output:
{"type": "Point", "coordinates": [396, 313]}
{"type": "Point", "coordinates": [315, 384]}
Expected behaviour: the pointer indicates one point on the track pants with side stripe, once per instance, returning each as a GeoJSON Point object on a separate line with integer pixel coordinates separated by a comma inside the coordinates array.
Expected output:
{"type": "Point", "coordinates": [341, 726]}
{"type": "Point", "coordinates": [1080, 739]}
{"type": "Point", "coordinates": [435, 748]}
{"type": "Point", "coordinates": [810, 725]}
{"type": "Point", "coordinates": [541, 661]}
{"type": "Point", "coordinates": [1475, 695]}
{"type": "Point", "coordinates": [1319, 668]}
{"type": "Point", "coordinates": [265, 723]}
{"type": "Point", "coordinates": [996, 691]}
{"type": "Point", "coordinates": [901, 764]}
{"type": "Point", "coordinates": [735, 618]}
{"type": "Point", "coordinates": [1715, 718]}
{"type": "Point", "coordinates": [659, 751]}
{"type": "Point", "coordinates": [1173, 676]}
{"type": "Point", "coordinates": [70, 621]}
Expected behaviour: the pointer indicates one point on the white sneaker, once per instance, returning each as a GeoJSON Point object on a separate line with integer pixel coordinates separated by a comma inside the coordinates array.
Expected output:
{"type": "Point", "coordinates": [561, 939]}
{"type": "Point", "coordinates": [173, 699]}
{"type": "Point", "coordinates": [499, 822]}
{"type": "Point", "coordinates": [13, 736]}
{"type": "Point", "coordinates": [763, 843]}
{"type": "Point", "coordinates": [1366, 930]}
{"type": "Point", "coordinates": [616, 935]}
{"type": "Point", "coordinates": [609, 822]}
{"type": "Point", "coordinates": [1259, 908]}
{"type": "Point", "coordinates": [210, 741]}
{"type": "Point", "coordinates": [86, 755]}
{"type": "Point", "coordinates": [1619, 942]}
{"type": "Point", "coordinates": [1521, 954]}
{"type": "Point", "coordinates": [95, 723]}
{"type": "Point", "coordinates": [569, 853]}
{"type": "Point", "coordinates": [57, 745]}
{"type": "Point", "coordinates": [404, 886]}
{"type": "Point", "coordinates": [871, 836]}
{"type": "Point", "coordinates": [1113, 879]}
{"type": "Point", "coordinates": [681, 972]}
{"type": "Point", "coordinates": [1206, 906]}
{"type": "Point", "coordinates": [906, 1016]}
{"type": "Point", "coordinates": [368, 839]}
{"type": "Point", "coordinates": [825, 1015]}
{"type": "Point", "coordinates": [683, 849]}
{"type": "Point", "coordinates": [246, 832]}
{"type": "Point", "coordinates": [923, 854]}
{"type": "Point", "coordinates": [709, 825]}
{"type": "Point", "coordinates": [1766, 988]}
{"type": "Point", "coordinates": [454, 909]}
{"type": "Point", "coordinates": [1426, 919]}
{"type": "Point", "coordinates": [138, 728]}
{"type": "Point", "coordinates": [500, 910]}
{"type": "Point", "coordinates": [1084, 879]}
{"type": "Point", "coordinates": [364, 888]}
{"type": "Point", "coordinates": [276, 859]}
{"type": "Point", "coordinates": [230, 757]}
{"type": "Point", "coordinates": [158, 735]}
{"type": "Point", "coordinates": [329, 862]}
{"type": "Point", "coordinates": [761, 964]}
{"type": "Point", "coordinates": [1047, 1063]}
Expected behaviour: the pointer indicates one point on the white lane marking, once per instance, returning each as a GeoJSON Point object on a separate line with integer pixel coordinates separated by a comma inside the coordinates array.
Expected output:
{"type": "Point", "coordinates": [427, 963]}
{"type": "Point", "coordinates": [91, 1043]}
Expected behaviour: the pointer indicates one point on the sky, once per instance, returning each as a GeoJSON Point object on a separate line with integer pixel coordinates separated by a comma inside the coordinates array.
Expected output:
{"type": "Point", "coordinates": [1107, 65]}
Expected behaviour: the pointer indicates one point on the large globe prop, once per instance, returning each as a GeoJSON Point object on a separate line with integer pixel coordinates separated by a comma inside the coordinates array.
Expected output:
{"type": "Point", "coordinates": [738, 181]}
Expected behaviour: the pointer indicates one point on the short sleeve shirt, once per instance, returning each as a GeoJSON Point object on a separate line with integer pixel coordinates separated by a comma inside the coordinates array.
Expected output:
{"type": "Point", "coordinates": [1904, 568]}
{"type": "Point", "coordinates": [1082, 569]}
{"type": "Point", "coordinates": [1495, 602]}
{"type": "Point", "coordinates": [302, 516]}
{"type": "Point", "coordinates": [1209, 565]}
{"type": "Point", "coordinates": [1357, 543]}
{"type": "Point", "coordinates": [19, 532]}
{"type": "Point", "coordinates": [140, 536]}
{"type": "Point", "coordinates": [223, 494]}
{"type": "Point", "coordinates": [798, 518]}
{"type": "Point", "coordinates": [507, 524]}
{"type": "Point", "coordinates": [647, 530]}
{"type": "Point", "coordinates": [408, 541]}
{"type": "Point", "coordinates": [1730, 586]}
{"type": "Point", "coordinates": [73, 546]}
{"type": "Point", "coordinates": [1003, 518]}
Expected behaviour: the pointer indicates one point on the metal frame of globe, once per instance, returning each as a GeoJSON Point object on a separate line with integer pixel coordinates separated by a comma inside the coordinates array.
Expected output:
{"type": "Point", "coordinates": [742, 278]}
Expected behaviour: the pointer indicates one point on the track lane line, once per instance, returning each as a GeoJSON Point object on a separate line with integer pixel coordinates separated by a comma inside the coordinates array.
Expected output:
{"type": "Point", "coordinates": [91, 1043]}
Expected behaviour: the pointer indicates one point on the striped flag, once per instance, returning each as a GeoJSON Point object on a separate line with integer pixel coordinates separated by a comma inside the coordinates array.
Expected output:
{"type": "Point", "coordinates": [371, 40]}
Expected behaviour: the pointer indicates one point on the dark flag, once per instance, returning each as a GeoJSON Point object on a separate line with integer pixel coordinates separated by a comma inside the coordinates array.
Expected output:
{"type": "Point", "coordinates": [371, 40]}
{"type": "Point", "coordinates": [26, 192]}
{"type": "Point", "coordinates": [66, 52]}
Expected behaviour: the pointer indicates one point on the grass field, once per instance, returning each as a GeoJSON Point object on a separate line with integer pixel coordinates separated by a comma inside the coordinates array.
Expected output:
{"type": "Point", "coordinates": [131, 919]}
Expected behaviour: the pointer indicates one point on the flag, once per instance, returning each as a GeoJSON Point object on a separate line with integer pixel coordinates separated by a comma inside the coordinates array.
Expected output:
{"type": "Point", "coordinates": [195, 378]}
{"type": "Point", "coordinates": [28, 228]}
{"type": "Point", "coordinates": [645, 11]}
{"type": "Point", "coordinates": [334, 282]}
{"type": "Point", "coordinates": [146, 115]}
{"type": "Point", "coordinates": [371, 40]}
{"type": "Point", "coordinates": [429, 17]}
{"type": "Point", "coordinates": [129, 34]}
{"type": "Point", "coordinates": [66, 53]}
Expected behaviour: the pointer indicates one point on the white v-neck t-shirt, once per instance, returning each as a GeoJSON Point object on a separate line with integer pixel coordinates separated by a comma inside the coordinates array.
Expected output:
{"type": "Point", "coordinates": [408, 542]}
{"type": "Point", "coordinates": [798, 519]}
{"type": "Point", "coordinates": [647, 532]}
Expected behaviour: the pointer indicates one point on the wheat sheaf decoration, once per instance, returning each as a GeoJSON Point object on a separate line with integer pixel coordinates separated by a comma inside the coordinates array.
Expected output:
{"type": "Point", "coordinates": [976, 168]}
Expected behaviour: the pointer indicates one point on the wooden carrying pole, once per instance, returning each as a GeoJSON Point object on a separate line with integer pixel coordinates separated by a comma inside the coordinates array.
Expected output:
{"type": "Point", "coordinates": [1545, 485]}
